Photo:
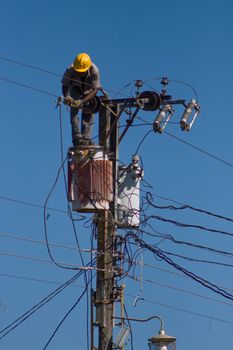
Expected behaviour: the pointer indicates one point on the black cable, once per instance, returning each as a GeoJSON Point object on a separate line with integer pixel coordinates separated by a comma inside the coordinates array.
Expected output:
{"type": "Point", "coordinates": [183, 225]}
{"type": "Point", "coordinates": [64, 318]}
{"type": "Point", "coordinates": [149, 198]}
{"type": "Point", "coordinates": [71, 217]}
{"type": "Point", "coordinates": [187, 84]}
{"type": "Point", "coordinates": [205, 283]}
{"type": "Point", "coordinates": [190, 244]}
{"type": "Point", "coordinates": [44, 71]}
{"type": "Point", "coordinates": [28, 66]}
{"type": "Point", "coordinates": [199, 149]}
{"type": "Point", "coordinates": [130, 328]}
{"type": "Point", "coordinates": [28, 87]}
{"type": "Point", "coordinates": [37, 306]}
{"type": "Point", "coordinates": [82, 217]}
{"type": "Point", "coordinates": [45, 221]}
{"type": "Point", "coordinates": [188, 258]}
{"type": "Point", "coordinates": [143, 139]}
{"type": "Point", "coordinates": [173, 81]}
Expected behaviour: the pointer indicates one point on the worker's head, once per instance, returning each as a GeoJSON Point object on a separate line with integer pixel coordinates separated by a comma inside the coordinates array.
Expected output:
{"type": "Point", "coordinates": [82, 62]}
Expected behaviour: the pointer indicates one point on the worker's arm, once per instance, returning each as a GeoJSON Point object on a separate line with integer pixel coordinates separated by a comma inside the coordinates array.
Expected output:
{"type": "Point", "coordinates": [65, 90]}
{"type": "Point", "coordinates": [90, 95]}
{"type": "Point", "coordinates": [95, 84]}
{"type": "Point", "coordinates": [66, 81]}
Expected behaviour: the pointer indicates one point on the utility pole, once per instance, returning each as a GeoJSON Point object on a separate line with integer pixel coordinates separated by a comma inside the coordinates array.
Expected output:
{"type": "Point", "coordinates": [94, 177]}
{"type": "Point", "coordinates": [104, 299]}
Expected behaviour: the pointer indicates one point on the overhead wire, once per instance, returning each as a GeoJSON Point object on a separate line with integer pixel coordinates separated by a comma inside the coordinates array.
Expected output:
{"type": "Point", "coordinates": [184, 225]}
{"type": "Point", "coordinates": [142, 140]}
{"type": "Point", "coordinates": [28, 87]}
{"type": "Point", "coordinates": [33, 67]}
{"type": "Point", "coordinates": [58, 245]}
{"type": "Point", "coordinates": [6, 330]}
{"type": "Point", "coordinates": [205, 283]}
{"type": "Point", "coordinates": [174, 273]}
{"type": "Point", "coordinates": [64, 318]}
{"type": "Point", "coordinates": [58, 75]}
{"type": "Point", "coordinates": [40, 206]}
{"type": "Point", "coordinates": [39, 280]}
{"type": "Point", "coordinates": [188, 258]}
{"type": "Point", "coordinates": [189, 244]}
{"type": "Point", "coordinates": [209, 317]}
{"type": "Point", "coordinates": [186, 291]}
{"type": "Point", "coordinates": [199, 149]}
{"type": "Point", "coordinates": [149, 197]}
{"type": "Point", "coordinates": [45, 221]}
{"type": "Point", "coordinates": [25, 257]}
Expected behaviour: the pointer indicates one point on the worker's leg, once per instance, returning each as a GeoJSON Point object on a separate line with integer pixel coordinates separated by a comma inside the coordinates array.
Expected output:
{"type": "Point", "coordinates": [74, 118]}
{"type": "Point", "coordinates": [87, 125]}
{"type": "Point", "coordinates": [74, 121]}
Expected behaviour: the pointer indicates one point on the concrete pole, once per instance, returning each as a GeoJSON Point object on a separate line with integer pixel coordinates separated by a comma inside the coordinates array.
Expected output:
{"type": "Point", "coordinates": [104, 300]}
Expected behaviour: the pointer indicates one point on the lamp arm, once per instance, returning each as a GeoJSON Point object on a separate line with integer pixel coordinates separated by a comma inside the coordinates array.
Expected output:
{"type": "Point", "coordinates": [143, 320]}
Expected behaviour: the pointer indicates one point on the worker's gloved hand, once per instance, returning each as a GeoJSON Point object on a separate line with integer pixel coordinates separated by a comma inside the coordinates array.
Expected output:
{"type": "Point", "coordinates": [68, 100]}
{"type": "Point", "coordinates": [77, 103]}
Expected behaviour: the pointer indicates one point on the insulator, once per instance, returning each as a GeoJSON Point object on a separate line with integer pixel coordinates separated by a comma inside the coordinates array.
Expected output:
{"type": "Point", "coordinates": [187, 113]}
{"type": "Point", "coordinates": [135, 160]}
{"type": "Point", "coordinates": [138, 83]}
{"type": "Point", "coordinates": [165, 111]}
{"type": "Point", "coordinates": [149, 100]}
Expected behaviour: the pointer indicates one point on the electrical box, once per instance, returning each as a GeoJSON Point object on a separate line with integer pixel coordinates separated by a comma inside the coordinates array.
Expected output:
{"type": "Point", "coordinates": [129, 178]}
{"type": "Point", "coordinates": [90, 186]}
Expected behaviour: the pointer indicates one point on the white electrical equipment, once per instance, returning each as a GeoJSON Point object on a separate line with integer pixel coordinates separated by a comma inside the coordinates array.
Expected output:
{"type": "Point", "coordinates": [129, 178]}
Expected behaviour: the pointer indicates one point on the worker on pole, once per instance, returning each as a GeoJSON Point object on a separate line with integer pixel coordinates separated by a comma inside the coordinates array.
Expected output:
{"type": "Point", "coordinates": [80, 83]}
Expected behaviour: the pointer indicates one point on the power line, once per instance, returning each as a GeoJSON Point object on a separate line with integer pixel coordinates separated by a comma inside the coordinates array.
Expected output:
{"type": "Point", "coordinates": [35, 205]}
{"type": "Point", "coordinates": [183, 310]}
{"type": "Point", "coordinates": [160, 254]}
{"type": "Point", "coordinates": [66, 315]}
{"type": "Point", "coordinates": [73, 266]}
{"type": "Point", "coordinates": [138, 263]}
{"type": "Point", "coordinates": [6, 330]}
{"type": "Point", "coordinates": [183, 225]}
{"type": "Point", "coordinates": [180, 290]}
{"type": "Point", "coordinates": [28, 87]}
{"type": "Point", "coordinates": [199, 149]}
{"type": "Point", "coordinates": [192, 146]}
{"type": "Point", "coordinates": [37, 280]}
{"type": "Point", "coordinates": [27, 239]}
{"type": "Point", "coordinates": [149, 197]}
{"type": "Point", "coordinates": [30, 66]}
{"type": "Point", "coordinates": [169, 237]}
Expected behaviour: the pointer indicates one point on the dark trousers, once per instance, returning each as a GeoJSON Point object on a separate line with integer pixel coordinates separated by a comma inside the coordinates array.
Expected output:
{"type": "Point", "coordinates": [87, 120]}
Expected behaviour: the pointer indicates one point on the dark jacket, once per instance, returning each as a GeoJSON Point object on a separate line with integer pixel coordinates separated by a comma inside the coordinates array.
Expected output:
{"type": "Point", "coordinates": [82, 83]}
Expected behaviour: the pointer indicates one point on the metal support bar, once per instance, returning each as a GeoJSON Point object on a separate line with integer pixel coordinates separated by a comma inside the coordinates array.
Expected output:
{"type": "Point", "coordinates": [129, 123]}
{"type": "Point", "coordinates": [116, 120]}
{"type": "Point", "coordinates": [173, 102]}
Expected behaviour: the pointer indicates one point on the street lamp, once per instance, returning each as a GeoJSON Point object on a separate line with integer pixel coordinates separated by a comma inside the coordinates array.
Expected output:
{"type": "Point", "coordinates": [161, 341]}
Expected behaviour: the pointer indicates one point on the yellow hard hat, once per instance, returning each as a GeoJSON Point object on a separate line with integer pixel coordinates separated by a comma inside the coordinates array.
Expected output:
{"type": "Point", "coordinates": [82, 62]}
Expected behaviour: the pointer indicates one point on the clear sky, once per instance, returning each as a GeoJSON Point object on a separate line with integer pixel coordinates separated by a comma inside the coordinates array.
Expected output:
{"type": "Point", "coordinates": [188, 42]}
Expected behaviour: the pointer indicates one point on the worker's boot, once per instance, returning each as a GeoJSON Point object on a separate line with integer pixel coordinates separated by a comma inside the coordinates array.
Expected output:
{"type": "Point", "coordinates": [87, 141]}
{"type": "Point", "coordinates": [78, 142]}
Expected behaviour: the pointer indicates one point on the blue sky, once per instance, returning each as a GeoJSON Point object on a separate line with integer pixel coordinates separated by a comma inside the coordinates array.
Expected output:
{"type": "Point", "coordinates": [186, 41]}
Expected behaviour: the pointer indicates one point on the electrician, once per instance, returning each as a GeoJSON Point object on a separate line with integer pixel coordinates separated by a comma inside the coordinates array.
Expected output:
{"type": "Point", "coordinates": [80, 83]}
